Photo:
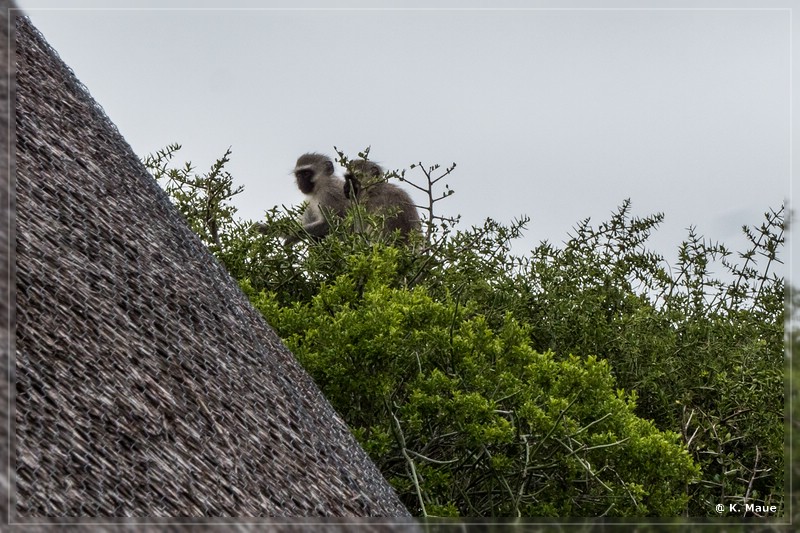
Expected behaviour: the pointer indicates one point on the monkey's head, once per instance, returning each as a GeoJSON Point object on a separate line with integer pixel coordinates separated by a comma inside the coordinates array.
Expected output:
{"type": "Point", "coordinates": [361, 174]}
{"type": "Point", "coordinates": [309, 168]}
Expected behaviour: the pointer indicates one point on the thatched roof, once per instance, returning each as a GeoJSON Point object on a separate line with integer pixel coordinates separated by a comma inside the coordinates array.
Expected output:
{"type": "Point", "coordinates": [7, 262]}
{"type": "Point", "coordinates": [146, 384]}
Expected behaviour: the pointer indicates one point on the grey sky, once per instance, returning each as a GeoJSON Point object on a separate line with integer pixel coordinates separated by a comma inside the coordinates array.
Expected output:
{"type": "Point", "coordinates": [559, 114]}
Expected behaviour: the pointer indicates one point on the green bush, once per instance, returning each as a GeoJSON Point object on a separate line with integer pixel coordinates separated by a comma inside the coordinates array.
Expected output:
{"type": "Point", "coordinates": [705, 354]}
{"type": "Point", "coordinates": [465, 420]}
{"type": "Point", "coordinates": [584, 379]}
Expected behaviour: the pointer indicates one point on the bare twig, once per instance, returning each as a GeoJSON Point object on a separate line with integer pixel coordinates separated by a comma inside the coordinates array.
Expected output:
{"type": "Point", "coordinates": [753, 477]}
{"type": "Point", "coordinates": [401, 440]}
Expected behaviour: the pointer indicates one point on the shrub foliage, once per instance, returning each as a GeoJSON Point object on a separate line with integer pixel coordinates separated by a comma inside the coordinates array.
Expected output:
{"type": "Point", "coordinates": [586, 379]}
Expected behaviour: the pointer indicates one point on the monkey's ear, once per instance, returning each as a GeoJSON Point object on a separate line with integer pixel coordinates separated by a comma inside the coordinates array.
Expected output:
{"type": "Point", "coordinates": [329, 168]}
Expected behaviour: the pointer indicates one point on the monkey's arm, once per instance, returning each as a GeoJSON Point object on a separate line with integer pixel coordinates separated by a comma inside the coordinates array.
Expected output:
{"type": "Point", "coordinates": [317, 229]}
{"type": "Point", "coordinates": [319, 221]}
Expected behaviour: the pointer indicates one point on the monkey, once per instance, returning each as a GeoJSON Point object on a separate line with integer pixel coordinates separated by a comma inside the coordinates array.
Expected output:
{"type": "Point", "coordinates": [365, 184]}
{"type": "Point", "coordinates": [324, 193]}
{"type": "Point", "coordinates": [368, 174]}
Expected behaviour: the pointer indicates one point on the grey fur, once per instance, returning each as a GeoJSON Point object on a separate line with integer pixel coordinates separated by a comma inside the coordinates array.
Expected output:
{"type": "Point", "coordinates": [324, 195]}
{"type": "Point", "coordinates": [366, 184]}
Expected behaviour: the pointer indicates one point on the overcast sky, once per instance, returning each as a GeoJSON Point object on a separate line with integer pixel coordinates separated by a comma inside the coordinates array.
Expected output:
{"type": "Point", "coordinates": [558, 114]}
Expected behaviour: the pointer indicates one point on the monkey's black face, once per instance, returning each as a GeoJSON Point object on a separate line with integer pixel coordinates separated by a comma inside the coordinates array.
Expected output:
{"type": "Point", "coordinates": [352, 185]}
{"type": "Point", "coordinates": [305, 180]}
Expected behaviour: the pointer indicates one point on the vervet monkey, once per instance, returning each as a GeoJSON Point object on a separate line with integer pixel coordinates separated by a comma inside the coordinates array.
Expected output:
{"type": "Point", "coordinates": [324, 194]}
{"type": "Point", "coordinates": [365, 184]}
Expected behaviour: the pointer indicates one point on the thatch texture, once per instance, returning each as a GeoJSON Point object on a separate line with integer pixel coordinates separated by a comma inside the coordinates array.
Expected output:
{"type": "Point", "coordinates": [146, 384]}
{"type": "Point", "coordinates": [7, 262]}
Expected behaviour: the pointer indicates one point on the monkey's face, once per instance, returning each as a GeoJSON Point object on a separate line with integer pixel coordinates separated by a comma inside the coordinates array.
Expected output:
{"type": "Point", "coordinates": [351, 186]}
{"type": "Point", "coordinates": [361, 175]}
{"type": "Point", "coordinates": [310, 168]}
{"type": "Point", "coordinates": [305, 179]}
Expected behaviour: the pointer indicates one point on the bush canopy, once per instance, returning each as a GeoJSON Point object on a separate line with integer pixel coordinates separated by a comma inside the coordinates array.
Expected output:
{"type": "Point", "coordinates": [580, 380]}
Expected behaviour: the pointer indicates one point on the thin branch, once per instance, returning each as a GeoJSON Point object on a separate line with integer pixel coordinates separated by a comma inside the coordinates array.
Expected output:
{"type": "Point", "coordinates": [398, 432]}
{"type": "Point", "coordinates": [753, 477]}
